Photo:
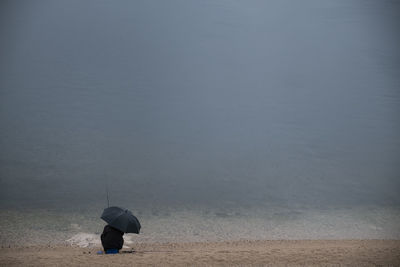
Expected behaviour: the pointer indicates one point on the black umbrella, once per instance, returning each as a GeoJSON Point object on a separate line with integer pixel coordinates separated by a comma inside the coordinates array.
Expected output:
{"type": "Point", "coordinates": [121, 219]}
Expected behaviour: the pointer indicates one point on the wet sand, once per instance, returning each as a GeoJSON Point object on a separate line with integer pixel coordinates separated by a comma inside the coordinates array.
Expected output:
{"type": "Point", "coordinates": [275, 253]}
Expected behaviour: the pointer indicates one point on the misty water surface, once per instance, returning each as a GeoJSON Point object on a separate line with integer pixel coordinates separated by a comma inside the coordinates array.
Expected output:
{"type": "Point", "coordinates": [210, 103]}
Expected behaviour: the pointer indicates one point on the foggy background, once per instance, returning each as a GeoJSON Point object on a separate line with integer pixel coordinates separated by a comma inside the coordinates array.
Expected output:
{"type": "Point", "coordinates": [211, 103]}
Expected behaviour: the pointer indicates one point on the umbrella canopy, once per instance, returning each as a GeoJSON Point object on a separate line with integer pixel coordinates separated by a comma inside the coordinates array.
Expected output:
{"type": "Point", "coordinates": [121, 219]}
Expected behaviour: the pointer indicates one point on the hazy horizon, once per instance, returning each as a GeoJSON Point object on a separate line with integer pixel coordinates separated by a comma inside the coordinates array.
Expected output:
{"type": "Point", "coordinates": [210, 103]}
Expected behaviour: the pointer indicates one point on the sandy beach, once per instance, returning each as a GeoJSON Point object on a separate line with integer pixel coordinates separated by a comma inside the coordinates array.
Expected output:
{"type": "Point", "coordinates": [274, 253]}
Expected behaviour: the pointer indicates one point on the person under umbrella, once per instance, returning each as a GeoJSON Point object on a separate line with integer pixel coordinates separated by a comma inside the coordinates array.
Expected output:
{"type": "Point", "coordinates": [119, 221]}
{"type": "Point", "coordinates": [112, 239]}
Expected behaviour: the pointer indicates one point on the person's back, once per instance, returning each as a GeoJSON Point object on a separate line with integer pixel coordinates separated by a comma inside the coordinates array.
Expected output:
{"type": "Point", "coordinates": [112, 239]}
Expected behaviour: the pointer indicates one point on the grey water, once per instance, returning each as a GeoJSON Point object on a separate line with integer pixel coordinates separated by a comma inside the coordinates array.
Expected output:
{"type": "Point", "coordinates": [208, 105]}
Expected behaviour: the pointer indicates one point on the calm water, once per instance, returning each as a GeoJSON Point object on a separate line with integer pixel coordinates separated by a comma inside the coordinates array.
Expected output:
{"type": "Point", "coordinates": [208, 105]}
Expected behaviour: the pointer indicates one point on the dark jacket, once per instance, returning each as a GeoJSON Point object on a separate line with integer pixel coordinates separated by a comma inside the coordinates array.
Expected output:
{"type": "Point", "coordinates": [111, 238]}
